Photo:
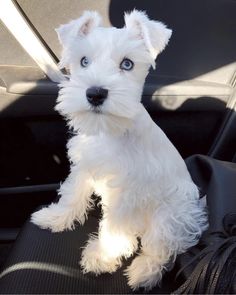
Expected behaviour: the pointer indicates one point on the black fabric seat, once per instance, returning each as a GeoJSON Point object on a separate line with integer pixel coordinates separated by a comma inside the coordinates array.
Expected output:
{"type": "Point", "coordinates": [42, 262]}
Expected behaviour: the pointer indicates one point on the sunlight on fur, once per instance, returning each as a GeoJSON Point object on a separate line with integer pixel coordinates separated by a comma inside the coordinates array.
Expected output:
{"type": "Point", "coordinates": [117, 244]}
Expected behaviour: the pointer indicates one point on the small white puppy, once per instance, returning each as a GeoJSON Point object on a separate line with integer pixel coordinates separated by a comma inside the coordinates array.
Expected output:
{"type": "Point", "coordinates": [120, 154]}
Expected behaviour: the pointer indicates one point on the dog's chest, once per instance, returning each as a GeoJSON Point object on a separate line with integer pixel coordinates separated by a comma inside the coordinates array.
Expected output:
{"type": "Point", "coordinates": [103, 155]}
{"type": "Point", "coordinates": [108, 155]}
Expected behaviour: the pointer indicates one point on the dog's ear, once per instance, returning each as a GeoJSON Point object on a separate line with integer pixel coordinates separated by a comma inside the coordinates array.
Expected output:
{"type": "Point", "coordinates": [154, 34]}
{"type": "Point", "coordinates": [79, 27]}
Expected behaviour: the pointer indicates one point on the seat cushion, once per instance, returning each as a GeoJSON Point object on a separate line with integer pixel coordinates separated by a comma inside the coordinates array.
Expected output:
{"type": "Point", "coordinates": [45, 262]}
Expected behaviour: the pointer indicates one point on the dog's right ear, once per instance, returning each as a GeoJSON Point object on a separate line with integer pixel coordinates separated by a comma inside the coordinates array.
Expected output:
{"type": "Point", "coordinates": [79, 27]}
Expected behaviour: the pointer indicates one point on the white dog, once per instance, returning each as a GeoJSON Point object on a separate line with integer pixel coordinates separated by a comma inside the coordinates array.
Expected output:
{"type": "Point", "coordinates": [120, 154]}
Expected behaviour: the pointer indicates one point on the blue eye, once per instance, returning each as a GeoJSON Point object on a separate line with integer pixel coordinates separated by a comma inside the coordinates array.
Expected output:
{"type": "Point", "coordinates": [84, 62]}
{"type": "Point", "coordinates": [126, 64]}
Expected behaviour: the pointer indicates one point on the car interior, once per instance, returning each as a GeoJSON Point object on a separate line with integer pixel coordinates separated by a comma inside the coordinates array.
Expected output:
{"type": "Point", "coordinates": [191, 95]}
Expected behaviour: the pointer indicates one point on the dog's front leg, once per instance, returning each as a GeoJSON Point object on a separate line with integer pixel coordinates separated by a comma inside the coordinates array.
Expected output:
{"type": "Point", "coordinates": [103, 253]}
{"type": "Point", "coordinates": [75, 199]}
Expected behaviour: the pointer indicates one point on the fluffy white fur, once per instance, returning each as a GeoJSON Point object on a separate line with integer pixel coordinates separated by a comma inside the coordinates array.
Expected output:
{"type": "Point", "coordinates": [119, 153]}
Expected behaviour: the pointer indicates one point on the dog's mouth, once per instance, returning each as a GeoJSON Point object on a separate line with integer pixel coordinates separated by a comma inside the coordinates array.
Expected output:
{"type": "Point", "coordinates": [96, 109]}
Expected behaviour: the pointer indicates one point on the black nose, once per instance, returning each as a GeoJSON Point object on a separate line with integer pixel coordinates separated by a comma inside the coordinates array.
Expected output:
{"type": "Point", "coordinates": [96, 95]}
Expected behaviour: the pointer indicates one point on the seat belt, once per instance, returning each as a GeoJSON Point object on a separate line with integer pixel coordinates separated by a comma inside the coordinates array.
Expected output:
{"type": "Point", "coordinates": [19, 26]}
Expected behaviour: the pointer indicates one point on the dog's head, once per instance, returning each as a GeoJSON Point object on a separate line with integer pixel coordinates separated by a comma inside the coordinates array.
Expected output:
{"type": "Point", "coordinates": [108, 67]}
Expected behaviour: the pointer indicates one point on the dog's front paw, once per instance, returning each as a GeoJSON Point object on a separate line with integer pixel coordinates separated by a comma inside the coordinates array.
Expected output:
{"type": "Point", "coordinates": [144, 272]}
{"type": "Point", "coordinates": [95, 260]}
{"type": "Point", "coordinates": [53, 218]}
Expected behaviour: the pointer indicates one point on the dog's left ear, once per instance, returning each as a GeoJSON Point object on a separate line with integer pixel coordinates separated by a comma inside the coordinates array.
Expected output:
{"type": "Point", "coordinates": [154, 34]}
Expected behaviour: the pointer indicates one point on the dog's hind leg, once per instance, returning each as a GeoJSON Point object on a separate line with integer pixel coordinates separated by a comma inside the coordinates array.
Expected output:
{"type": "Point", "coordinates": [146, 269]}
{"type": "Point", "coordinates": [158, 242]}
{"type": "Point", "coordinates": [75, 200]}
{"type": "Point", "coordinates": [171, 229]}
{"type": "Point", "coordinates": [103, 253]}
